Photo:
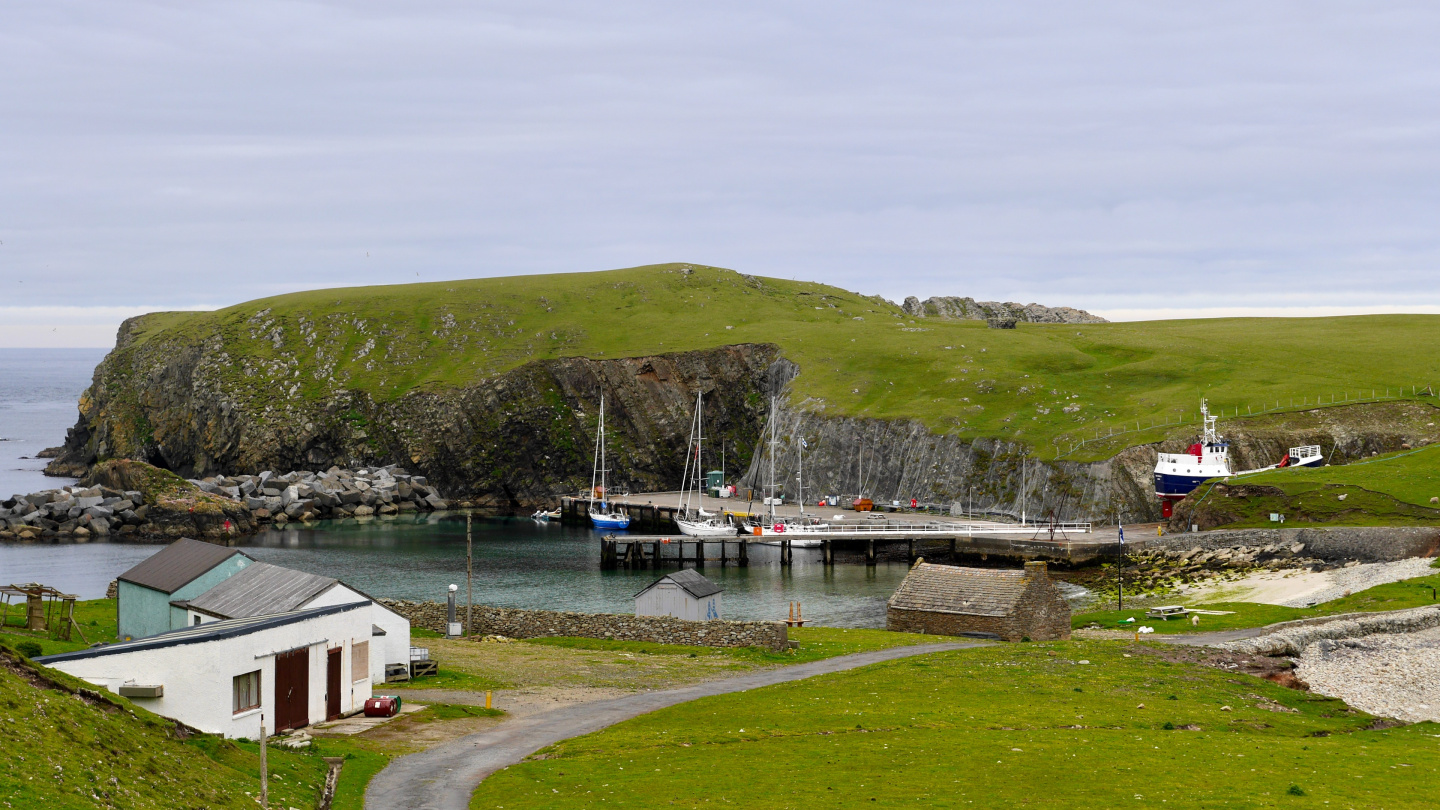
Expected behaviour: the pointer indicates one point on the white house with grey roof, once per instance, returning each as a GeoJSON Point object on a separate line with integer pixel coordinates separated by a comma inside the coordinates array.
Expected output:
{"type": "Point", "coordinates": [261, 588]}
{"type": "Point", "coordinates": [286, 670]}
{"type": "Point", "coordinates": [685, 594]}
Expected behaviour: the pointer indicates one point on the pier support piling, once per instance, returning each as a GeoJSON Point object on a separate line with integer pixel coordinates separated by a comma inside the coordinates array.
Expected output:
{"type": "Point", "coordinates": [828, 551]}
{"type": "Point", "coordinates": [869, 552]}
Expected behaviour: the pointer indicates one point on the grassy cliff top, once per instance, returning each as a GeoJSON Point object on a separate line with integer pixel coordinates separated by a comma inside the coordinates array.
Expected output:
{"type": "Point", "coordinates": [858, 355]}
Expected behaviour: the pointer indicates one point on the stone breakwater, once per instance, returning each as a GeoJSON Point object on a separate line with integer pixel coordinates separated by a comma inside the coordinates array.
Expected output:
{"type": "Point", "coordinates": [1292, 638]}
{"type": "Point", "coordinates": [73, 512]}
{"type": "Point", "coordinates": [1386, 675]}
{"type": "Point", "coordinates": [1366, 544]}
{"type": "Point", "coordinates": [334, 493]}
{"type": "Point", "coordinates": [514, 623]}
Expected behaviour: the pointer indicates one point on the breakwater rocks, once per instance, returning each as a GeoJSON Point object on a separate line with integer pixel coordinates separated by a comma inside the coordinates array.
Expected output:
{"type": "Point", "coordinates": [515, 623]}
{"type": "Point", "coordinates": [1365, 544]}
{"type": "Point", "coordinates": [334, 493]}
{"type": "Point", "coordinates": [122, 499]}
{"type": "Point", "coordinates": [1291, 638]}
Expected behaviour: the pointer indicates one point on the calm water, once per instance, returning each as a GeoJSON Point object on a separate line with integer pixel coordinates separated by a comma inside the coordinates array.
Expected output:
{"type": "Point", "coordinates": [518, 563]}
{"type": "Point", "coordinates": [39, 389]}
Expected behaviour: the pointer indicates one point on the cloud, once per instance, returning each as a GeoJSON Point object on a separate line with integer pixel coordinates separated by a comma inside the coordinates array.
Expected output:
{"type": "Point", "coordinates": [1120, 156]}
{"type": "Point", "coordinates": [69, 327]}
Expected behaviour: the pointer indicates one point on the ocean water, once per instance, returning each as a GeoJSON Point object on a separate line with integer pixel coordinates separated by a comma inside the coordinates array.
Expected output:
{"type": "Point", "coordinates": [517, 562]}
{"type": "Point", "coordinates": [39, 389]}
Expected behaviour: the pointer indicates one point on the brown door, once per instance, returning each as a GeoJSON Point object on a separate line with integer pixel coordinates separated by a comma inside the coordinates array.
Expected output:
{"type": "Point", "coordinates": [292, 689]}
{"type": "Point", "coordinates": [332, 685]}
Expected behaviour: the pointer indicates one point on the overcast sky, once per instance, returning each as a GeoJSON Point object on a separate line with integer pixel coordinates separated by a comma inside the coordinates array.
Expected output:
{"type": "Point", "coordinates": [1134, 159]}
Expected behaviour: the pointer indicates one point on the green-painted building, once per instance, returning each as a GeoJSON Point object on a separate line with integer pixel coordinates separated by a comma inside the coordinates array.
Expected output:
{"type": "Point", "coordinates": [181, 570]}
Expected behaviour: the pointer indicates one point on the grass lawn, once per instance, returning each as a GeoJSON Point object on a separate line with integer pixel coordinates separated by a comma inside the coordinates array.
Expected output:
{"type": "Point", "coordinates": [62, 752]}
{"type": "Point", "coordinates": [96, 618]}
{"type": "Point", "coordinates": [860, 356]}
{"type": "Point", "coordinates": [1002, 726]}
{"type": "Point", "coordinates": [363, 760]}
{"type": "Point", "coordinates": [1407, 593]}
{"type": "Point", "coordinates": [450, 678]}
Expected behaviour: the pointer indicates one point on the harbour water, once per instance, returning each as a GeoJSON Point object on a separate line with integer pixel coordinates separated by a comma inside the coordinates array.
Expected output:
{"type": "Point", "coordinates": [518, 562]}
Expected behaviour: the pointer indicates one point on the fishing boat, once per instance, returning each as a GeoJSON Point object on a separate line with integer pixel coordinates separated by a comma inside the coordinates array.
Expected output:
{"type": "Point", "coordinates": [1178, 474]}
{"type": "Point", "coordinates": [696, 522]}
{"type": "Point", "coordinates": [601, 515]}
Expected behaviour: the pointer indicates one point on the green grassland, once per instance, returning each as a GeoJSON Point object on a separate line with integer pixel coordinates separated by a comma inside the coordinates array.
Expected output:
{"type": "Point", "coordinates": [1003, 726]}
{"type": "Point", "coordinates": [1409, 593]}
{"type": "Point", "coordinates": [859, 355]}
{"type": "Point", "coordinates": [814, 644]}
{"type": "Point", "coordinates": [66, 749]}
{"type": "Point", "coordinates": [96, 617]}
{"type": "Point", "coordinates": [1409, 476]}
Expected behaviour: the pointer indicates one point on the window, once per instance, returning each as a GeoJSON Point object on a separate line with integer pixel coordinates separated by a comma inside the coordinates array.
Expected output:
{"type": "Point", "coordinates": [246, 692]}
{"type": "Point", "coordinates": [359, 660]}
{"type": "Point", "coordinates": [197, 620]}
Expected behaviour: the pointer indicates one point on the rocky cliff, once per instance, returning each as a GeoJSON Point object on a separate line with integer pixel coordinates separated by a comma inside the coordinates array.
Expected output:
{"type": "Point", "coordinates": [968, 309]}
{"type": "Point", "coordinates": [515, 439]}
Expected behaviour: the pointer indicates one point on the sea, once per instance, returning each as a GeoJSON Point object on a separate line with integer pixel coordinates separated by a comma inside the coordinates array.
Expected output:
{"type": "Point", "coordinates": [514, 562]}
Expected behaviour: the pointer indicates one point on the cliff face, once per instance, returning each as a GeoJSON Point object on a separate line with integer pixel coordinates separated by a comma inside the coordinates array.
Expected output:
{"type": "Point", "coordinates": [515, 439]}
{"type": "Point", "coordinates": [521, 437]}
{"type": "Point", "coordinates": [951, 307]}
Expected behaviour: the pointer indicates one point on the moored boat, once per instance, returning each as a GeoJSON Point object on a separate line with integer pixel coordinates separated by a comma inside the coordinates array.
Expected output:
{"type": "Point", "coordinates": [604, 517]}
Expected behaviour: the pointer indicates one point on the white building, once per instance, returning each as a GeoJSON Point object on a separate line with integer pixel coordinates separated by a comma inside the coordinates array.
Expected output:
{"type": "Point", "coordinates": [286, 670]}
{"type": "Point", "coordinates": [684, 594]}
{"type": "Point", "coordinates": [261, 588]}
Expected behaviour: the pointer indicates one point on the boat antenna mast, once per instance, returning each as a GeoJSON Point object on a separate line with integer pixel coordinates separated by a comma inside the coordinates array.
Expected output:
{"type": "Point", "coordinates": [1210, 436]}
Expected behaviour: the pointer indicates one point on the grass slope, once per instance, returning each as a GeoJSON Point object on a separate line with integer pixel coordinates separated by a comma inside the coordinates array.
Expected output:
{"type": "Point", "coordinates": [1411, 476]}
{"type": "Point", "coordinates": [859, 356]}
{"type": "Point", "coordinates": [1005, 726]}
{"type": "Point", "coordinates": [65, 749]}
{"type": "Point", "coordinates": [96, 618]}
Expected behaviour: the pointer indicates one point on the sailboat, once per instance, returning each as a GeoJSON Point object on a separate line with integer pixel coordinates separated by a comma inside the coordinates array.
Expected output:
{"type": "Point", "coordinates": [600, 518]}
{"type": "Point", "coordinates": [698, 523]}
{"type": "Point", "coordinates": [775, 526]}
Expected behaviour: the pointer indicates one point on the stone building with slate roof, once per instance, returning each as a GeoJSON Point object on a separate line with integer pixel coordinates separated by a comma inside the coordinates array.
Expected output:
{"type": "Point", "coordinates": [953, 601]}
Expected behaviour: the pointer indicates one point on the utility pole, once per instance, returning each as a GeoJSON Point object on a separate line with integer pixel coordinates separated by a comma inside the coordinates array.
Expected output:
{"type": "Point", "coordinates": [1120, 568]}
{"type": "Point", "coordinates": [469, 576]}
{"type": "Point", "coordinates": [264, 773]}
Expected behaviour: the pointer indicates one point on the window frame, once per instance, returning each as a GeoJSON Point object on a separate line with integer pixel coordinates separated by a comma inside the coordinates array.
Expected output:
{"type": "Point", "coordinates": [359, 673]}
{"type": "Point", "coordinates": [255, 693]}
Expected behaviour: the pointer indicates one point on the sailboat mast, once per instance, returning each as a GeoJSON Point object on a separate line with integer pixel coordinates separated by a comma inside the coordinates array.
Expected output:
{"type": "Point", "coordinates": [699, 452]}
{"type": "Point", "coordinates": [773, 417]}
{"type": "Point", "coordinates": [604, 488]}
{"type": "Point", "coordinates": [595, 465]}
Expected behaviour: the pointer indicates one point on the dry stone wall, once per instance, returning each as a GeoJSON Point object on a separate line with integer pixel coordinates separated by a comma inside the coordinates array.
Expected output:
{"type": "Point", "coordinates": [515, 623]}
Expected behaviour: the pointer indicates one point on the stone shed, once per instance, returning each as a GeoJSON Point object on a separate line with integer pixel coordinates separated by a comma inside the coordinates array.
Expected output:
{"type": "Point", "coordinates": [953, 601]}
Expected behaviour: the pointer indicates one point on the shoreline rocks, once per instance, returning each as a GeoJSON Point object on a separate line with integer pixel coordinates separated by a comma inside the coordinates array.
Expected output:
{"type": "Point", "coordinates": [304, 495]}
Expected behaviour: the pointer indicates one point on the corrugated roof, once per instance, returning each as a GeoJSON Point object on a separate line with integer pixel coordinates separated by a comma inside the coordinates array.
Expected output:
{"type": "Point", "coordinates": [260, 589]}
{"type": "Point", "coordinates": [951, 589]}
{"type": "Point", "coordinates": [210, 631]}
{"type": "Point", "coordinates": [178, 564]}
{"type": "Point", "coordinates": [691, 581]}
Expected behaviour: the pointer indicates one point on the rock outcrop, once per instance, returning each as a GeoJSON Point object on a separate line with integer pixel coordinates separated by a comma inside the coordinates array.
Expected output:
{"type": "Point", "coordinates": [127, 500]}
{"type": "Point", "coordinates": [968, 309]}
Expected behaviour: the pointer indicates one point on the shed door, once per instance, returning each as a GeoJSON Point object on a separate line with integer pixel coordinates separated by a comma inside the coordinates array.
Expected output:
{"type": "Point", "coordinates": [292, 689]}
{"type": "Point", "coordinates": [332, 684]}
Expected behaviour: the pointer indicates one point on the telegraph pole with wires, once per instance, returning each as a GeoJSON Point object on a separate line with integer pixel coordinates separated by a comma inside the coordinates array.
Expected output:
{"type": "Point", "coordinates": [1120, 568]}
{"type": "Point", "coordinates": [469, 577]}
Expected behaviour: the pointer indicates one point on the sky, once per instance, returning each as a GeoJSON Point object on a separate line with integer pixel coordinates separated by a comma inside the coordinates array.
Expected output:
{"type": "Point", "coordinates": [1136, 159]}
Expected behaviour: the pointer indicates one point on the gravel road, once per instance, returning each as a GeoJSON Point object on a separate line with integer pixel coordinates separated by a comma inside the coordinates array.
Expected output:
{"type": "Point", "coordinates": [1386, 675]}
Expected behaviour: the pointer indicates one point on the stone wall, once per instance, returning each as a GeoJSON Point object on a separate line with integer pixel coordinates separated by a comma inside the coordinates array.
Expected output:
{"type": "Point", "coordinates": [1291, 638]}
{"type": "Point", "coordinates": [1367, 544]}
{"type": "Point", "coordinates": [515, 623]}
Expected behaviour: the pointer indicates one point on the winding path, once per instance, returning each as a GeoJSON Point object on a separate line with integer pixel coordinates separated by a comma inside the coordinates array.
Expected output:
{"type": "Point", "coordinates": [444, 777]}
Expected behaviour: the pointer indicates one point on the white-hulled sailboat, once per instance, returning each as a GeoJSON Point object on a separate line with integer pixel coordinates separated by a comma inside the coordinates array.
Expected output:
{"type": "Point", "coordinates": [698, 523]}
{"type": "Point", "coordinates": [776, 527]}
{"type": "Point", "coordinates": [601, 518]}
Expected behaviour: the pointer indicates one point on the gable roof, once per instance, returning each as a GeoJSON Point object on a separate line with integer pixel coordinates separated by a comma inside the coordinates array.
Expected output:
{"type": "Point", "coordinates": [968, 591]}
{"type": "Point", "coordinates": [178, 564]}
{"type": "Point", "coordinates": [195, 634]}
{"type": "Point", "coordinates": [259, 589]}
{"type": "Point", "coordinates": [691, 581]}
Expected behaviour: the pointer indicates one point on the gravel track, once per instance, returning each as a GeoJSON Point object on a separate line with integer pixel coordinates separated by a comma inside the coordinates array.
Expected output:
{"type": "Point", "coordinates": [1394, 676]}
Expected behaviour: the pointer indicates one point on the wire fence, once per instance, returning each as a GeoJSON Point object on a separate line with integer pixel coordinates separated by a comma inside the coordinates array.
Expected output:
{"type": "Point", "coordinates": [1234, 412]}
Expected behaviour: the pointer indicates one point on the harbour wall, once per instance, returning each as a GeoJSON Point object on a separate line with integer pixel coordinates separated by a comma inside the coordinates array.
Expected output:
{"type": "Point", "coordinates": [516, 623]}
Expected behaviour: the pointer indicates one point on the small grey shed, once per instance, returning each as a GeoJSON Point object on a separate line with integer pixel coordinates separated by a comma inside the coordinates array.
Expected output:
{"type": "Point", "coordinates": [684, 594]}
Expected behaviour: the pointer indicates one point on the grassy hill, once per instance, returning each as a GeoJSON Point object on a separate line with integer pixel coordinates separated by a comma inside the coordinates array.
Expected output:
{"type": "Point", "coordinates": [1048, 385]}
{"type": "Point", "coordinates": [1061, 724]}
{"type": "Point", "coordinates": [66, 746]}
